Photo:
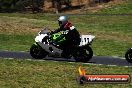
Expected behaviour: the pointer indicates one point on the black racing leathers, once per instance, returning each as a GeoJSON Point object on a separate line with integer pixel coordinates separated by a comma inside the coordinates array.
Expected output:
{"type": "Point", "coordinates": [71, 35]}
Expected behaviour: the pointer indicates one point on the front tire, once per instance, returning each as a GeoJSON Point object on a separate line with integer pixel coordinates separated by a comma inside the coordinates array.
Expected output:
{"type": "Point", "coordinates": [37, 52]}
{"type": "Point", "coordinates": [83, 54]}
{"type": "Point", "coordinates": [128, 55]}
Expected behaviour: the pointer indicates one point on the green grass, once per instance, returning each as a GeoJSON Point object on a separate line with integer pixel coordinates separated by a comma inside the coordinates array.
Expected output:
{"type": "Point", "coordinates": [122, 8]}
{"type": "Point", "coordinates": [48, 74]}
{"type": "Point", "coordinates": [110, 48]}
{"type": "Point", "coordinates": [16, 42]}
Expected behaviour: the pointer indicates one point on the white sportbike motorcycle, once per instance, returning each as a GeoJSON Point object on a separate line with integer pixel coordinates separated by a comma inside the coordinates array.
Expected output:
{"type": "Point", "coordinates": [42, 47]}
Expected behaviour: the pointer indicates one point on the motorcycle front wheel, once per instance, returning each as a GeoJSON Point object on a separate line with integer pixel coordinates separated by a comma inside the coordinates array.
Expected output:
{"type": "Point", "coordinates": [83, 54]}
{"type": "Point", "coordinates": [37, 52]}
{"type": "Point", "coordinates": [128, 55]}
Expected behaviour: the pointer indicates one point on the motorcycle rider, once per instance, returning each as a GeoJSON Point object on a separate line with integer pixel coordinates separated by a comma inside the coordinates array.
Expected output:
{"type": "Point", "coordinates": [70, 33]}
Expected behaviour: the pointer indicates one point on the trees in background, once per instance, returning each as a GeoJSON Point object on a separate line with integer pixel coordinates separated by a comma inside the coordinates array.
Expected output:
{"type": "Point", "coordinates": [32, 5]}
{"type": "Point", "coordinates": [19, 5]}
{"type": "Point", "coordinates": [10, 5]}
{"type": "Point", "coordinates": [37, 5]}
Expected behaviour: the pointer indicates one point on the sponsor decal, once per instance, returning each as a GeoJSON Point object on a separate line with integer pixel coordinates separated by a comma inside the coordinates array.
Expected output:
{"type": "Point", "coordinates": [65, 32]}
{"type": "Point", "coordinates": [71, 28]}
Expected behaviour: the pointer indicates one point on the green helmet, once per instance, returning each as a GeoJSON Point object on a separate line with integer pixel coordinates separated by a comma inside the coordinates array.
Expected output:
{"type": "Point", "coordinates": [62, 20]}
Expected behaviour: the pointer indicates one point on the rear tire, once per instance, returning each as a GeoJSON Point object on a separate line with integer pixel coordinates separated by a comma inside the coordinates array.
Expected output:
{"type": "Point", "coordinates": [128, 55]}
{"type": "Point", "coordinates": [83, 54]}
{"type": "Point", "coordinates": [37, 52]}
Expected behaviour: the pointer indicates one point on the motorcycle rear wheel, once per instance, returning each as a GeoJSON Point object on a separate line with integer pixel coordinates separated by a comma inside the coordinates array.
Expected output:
{"type": "Point", "coordinates": [128, 55]}
{"type": "Point", "coordinates": [37, 52]}
{"type": "Point", "coordinates": [83, 54]}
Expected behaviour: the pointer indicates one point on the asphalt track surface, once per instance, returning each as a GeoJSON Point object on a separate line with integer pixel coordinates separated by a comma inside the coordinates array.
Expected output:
{"type": "Point", "coordinates": [105, 60]}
